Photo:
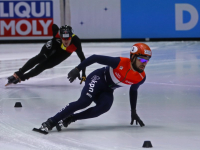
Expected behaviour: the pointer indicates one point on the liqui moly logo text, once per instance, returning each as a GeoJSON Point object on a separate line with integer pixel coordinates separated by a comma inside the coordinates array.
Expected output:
{"type": "Point", "coordinates": [26, 18]}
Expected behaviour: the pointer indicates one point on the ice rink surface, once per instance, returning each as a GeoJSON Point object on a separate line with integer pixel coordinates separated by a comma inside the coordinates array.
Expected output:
{"type": "Point", "coordinates": [168, 102]}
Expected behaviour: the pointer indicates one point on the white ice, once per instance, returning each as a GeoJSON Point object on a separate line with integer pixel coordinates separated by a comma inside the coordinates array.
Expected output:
{"type": "Point", "coordinates": [168, 102]}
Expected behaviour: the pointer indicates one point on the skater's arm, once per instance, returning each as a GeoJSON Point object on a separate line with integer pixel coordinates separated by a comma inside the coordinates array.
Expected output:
{"type": "Point", "coordinates": [55, 29]}
{"type": "Point", "coordinates": [133, 93]}
{"type": "Point", "coordinates": [104, 60]}
{"type": "Point", "coordinates": [79, 52]}
{"type": "Point", "coordinates": [133, 101]}
{"type": "Point", "coordinates": [82, 58]}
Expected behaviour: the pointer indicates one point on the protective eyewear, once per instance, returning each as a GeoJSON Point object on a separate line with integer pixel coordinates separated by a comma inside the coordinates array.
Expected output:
{"type": "Point", "coordinates": [69, 38]}
{"type": "Point", "coordinates": [142, 60]}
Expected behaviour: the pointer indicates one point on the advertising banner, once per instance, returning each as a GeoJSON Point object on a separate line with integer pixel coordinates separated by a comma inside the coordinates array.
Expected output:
{"type": "Point", "coordinates": [100, 19]}
{"type": "Point", "coordinates": [160, 19]}
{"type": "Point", "coordinates": [28, 19]}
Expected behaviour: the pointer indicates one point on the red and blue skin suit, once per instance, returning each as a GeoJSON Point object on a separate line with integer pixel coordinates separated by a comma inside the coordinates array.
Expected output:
{"type": "Point", "coordinates": [100, 85]}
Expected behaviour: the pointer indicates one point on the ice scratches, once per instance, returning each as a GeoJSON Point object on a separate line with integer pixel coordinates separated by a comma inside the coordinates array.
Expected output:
{"type": "Point", "coordinates": [28, 139]}
{"type": "Point", "coordinates": [197, 86]}
{"type": "Point", "coordinates": [12, 132]}
{"type": "Point", "coordinates": [85, 146]}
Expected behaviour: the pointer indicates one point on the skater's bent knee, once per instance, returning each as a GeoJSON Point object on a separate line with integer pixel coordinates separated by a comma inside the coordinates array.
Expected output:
{"type": "Point", "coordinates": [80, 104]}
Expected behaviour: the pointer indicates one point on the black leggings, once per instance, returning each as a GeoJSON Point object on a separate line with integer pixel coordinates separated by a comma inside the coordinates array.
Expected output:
{"type": "Point", "coordinates": [95, 90]}
{"type": "Point", "coordinates": [44, 60]}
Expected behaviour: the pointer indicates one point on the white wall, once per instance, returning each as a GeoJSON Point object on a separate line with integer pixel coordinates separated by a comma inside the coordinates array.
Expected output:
{"type": "Point", "coordinates": [98, 23]}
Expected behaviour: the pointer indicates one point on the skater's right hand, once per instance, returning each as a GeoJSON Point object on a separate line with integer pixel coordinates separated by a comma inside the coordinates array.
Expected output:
{"type": "Point", "coordinates": [73, 74]}
{"type": "Point", "coordinates": [135, 117]}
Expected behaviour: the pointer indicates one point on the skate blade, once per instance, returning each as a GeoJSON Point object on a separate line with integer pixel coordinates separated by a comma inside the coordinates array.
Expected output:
{"type": "Point", "coordinates": [40, 131]}
{"type": "Point", "coordinates": [8, 84]}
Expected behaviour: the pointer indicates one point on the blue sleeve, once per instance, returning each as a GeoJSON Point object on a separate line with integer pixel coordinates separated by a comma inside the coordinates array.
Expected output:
{"type": "Point", "coordinates": [104, 60]}
{"type": "Point", "coordinates": [133, 94]}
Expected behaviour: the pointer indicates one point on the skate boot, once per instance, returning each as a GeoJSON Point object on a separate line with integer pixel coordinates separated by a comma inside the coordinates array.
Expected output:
{"type": "Point", "coordinates": [13, 79]}
{"type": "Point", "coordinates": [10, 79]}
{"type": "Point", "coordinates": [65, 122]}
{"type": "Point", "coordinates": [48, 125]}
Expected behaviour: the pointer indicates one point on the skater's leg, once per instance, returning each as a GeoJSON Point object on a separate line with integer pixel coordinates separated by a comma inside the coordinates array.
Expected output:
{"type": "Point", "coordinates": [97, 90]}
{"type": "Point", "coordinates": [18, 75]}
{"type": "Point", "coordinates": [31, 63]}
{"type": "Point", "coordinates": [81, 103]}
{"type": "Point", "coordinates": [35, 71]}
{"type": "Point", "coordinates": [42, 56]}
{"type": "Point", "coordinates": [86, 97]}
{"type": "Point", "coordinates": [103, 104]}
{"type": "Point", "coordinates": [94, 86]}
{"type": "Point", "coordinates": [52, 61]}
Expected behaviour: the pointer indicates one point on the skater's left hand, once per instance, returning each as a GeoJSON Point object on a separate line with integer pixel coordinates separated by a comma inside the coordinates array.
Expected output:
{"type": "Point", "coordinates": [83, 79]}
{"type": "Point", "coordinates": [135, 117]}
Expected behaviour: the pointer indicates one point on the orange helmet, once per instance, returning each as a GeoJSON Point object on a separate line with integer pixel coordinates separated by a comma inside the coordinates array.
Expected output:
{"type": "Point", "coordinates": [141, 49]}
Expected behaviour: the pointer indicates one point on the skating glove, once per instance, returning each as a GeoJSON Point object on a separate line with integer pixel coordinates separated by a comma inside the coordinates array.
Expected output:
{"type": "Point", "coordinates": [73, 74]}
{"type": "Point", "coordinates": [135, 117]}
{"type": "Point", "coordinates": [55, 29]}
{"type": "Point", "coordinates": [83, 79]}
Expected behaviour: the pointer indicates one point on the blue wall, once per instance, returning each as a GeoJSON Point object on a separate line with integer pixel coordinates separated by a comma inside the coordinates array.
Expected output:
{"type": "Point", "coordinates": [157, 19]}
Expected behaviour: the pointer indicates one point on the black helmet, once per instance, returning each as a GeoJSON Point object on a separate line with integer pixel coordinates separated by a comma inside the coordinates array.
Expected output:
{"type": "Point", "coordinates": [65, 31]}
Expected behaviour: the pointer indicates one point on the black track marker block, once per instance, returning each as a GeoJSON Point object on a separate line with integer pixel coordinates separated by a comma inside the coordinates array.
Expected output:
{"type": "Point", "coordinates": [147, 144]}
{"type": "Point", "coordinates": [18, 104]}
